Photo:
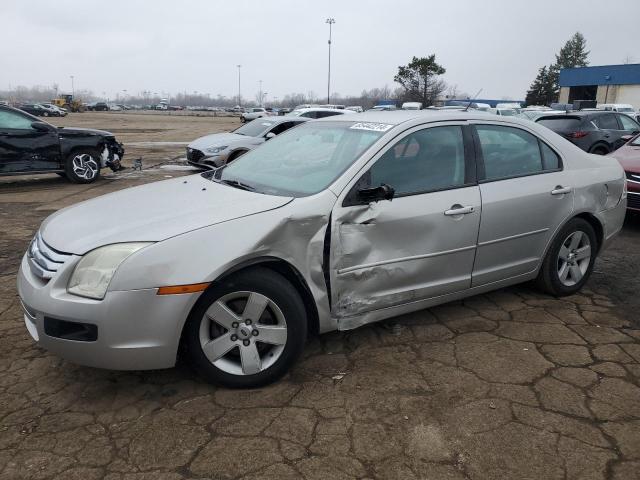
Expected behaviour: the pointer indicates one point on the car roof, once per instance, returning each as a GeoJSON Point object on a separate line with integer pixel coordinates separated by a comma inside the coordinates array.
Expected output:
{"type": "Point", "coordinates": [282, 118]}
{"type": "Point", "coordinates": [396, 117]}
{"type": "Point", "coordinates": [321, 109]}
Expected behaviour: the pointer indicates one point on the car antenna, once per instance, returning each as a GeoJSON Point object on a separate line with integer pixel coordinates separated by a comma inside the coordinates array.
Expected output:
{"type": "Point", "coordinates": [471, 101]}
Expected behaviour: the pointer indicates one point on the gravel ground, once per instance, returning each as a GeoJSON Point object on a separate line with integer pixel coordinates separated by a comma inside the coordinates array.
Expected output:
{"type": "Point", "coordinates": [508, 385]}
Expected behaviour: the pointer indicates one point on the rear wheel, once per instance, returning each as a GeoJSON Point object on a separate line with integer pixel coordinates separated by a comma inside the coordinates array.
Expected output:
{"type": "Point", "coordinates": [569, 261]}
{"type": "Point", "coordinates": [45, 114]}
{"type": "Point", "coordinates": [599, 150]}
{"type": "Point", "coordinates": [82, 166]}
{"type": "Point", "coordinates": [247, 331]}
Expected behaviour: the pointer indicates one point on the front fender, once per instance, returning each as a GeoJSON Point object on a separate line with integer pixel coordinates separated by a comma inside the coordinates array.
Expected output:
{"type": "Point", "coordinates": [294, 233]}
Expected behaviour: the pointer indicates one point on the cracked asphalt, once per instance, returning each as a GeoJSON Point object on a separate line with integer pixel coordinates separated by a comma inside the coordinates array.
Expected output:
{"type": "Point", "coordinates": [508, 385]}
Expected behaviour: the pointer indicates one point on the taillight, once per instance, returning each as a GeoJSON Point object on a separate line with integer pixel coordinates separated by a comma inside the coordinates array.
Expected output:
{"type": "Point", "coordinates": [578, 134]}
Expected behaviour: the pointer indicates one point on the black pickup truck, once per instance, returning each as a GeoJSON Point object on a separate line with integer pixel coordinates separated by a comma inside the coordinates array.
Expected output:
{"type": "Point", "coordinates": [29, 145]}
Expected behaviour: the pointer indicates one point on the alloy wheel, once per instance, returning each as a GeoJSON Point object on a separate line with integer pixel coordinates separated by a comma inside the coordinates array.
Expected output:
{"type": "Point", "coordinates": [243, 333]}
{"type": "Point", "coordinates": [574, 258]}
{"type": "Point", "coordinates": [84, 166]}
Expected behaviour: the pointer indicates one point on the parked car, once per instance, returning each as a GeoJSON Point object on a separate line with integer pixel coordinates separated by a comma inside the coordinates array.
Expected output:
{"type": "Point", "coordinates": [617, 107]}
{"type": "Point", "coordinates": [29, 145]}
{"type": "Point", "coordinates": [98, 106]}
{"type": "Point", "coordinates": [596, 132]}
{"type": "Point", "coordinates": [534, 114]}
{"type": "Point", "coordinates": [219, 149]}
{"type": "Point", "coordinates": [629, 157]}
{"type": "Point", "coordinates": [38, 110]}
{"type": "Point", "coordinates": [412, 106]}
{"type": "Point", "coordinates": [253, 113]}
{"type": "Point", "coordinates": [338, 223]}
{"type": "Point", "coordinates": [319, 112]}
{"type": "Point", "coordinates": [284, 111]}
{"type": "Point", "coordinates": [356, 108]}
{"type": "Point", "coordinates": [506, 112]}
{"type": "Point", "coordinates": [60, 112]}
{"type": "Point", "coordinates": [383, 108]}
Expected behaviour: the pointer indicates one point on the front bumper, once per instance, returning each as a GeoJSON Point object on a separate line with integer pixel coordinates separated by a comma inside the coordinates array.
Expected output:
{"type": "Point", "coordinates": [198, 158]}
{"type": "Point", "coordinates": [136, 329]}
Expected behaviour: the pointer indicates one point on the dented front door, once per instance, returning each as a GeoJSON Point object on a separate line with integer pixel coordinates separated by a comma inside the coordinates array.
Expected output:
{"type": "Point", "coordinates": [419, 245]}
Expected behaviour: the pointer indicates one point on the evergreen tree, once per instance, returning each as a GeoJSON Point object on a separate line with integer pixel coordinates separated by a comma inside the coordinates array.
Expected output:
{"type": "Point", "coordinates": [573, 54]}
{"type": "Point", "coordinates": [535, 92]}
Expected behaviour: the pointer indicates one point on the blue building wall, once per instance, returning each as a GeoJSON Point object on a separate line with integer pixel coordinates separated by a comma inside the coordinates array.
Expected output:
{"type": "Point", "coordinates": [601, 75]}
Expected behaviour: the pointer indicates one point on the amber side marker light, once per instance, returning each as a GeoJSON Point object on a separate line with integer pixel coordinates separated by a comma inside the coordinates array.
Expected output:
{"type": "Point", "coordinates": [178, 289]}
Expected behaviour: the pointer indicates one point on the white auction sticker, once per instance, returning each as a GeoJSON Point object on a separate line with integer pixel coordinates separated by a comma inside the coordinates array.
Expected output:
{"type": "Point", "coordinates": [374, 127]}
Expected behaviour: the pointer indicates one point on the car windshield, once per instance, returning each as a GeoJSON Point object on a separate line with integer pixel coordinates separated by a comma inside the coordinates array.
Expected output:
{"type": "Point", "coordinates": [560, 123]}
{"type": "Point", "coordinates": [508, 113]}
{"type": "Point", "coordinates": [255, 128]}
{"type": "Point", "coordinates": [626, 109]}
{"type": "Point", "coordinates": [303, 161]}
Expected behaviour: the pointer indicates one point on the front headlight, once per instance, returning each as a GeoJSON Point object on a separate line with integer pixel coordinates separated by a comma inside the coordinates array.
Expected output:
{"type": "Point", "coordinates": [94, 271]}
{"type": "Point", "coordinates": [215, 149]}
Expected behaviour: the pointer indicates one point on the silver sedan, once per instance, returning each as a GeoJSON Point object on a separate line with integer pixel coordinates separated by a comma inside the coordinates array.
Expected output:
{"type": "Point", "coordinates": [219, 149]}
{"type": "Point", "coordinates": [335, 224]}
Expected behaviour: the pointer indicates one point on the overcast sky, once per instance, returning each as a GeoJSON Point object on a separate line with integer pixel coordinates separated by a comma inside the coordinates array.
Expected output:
{"type": "Point", "coordinates": [190, 45]}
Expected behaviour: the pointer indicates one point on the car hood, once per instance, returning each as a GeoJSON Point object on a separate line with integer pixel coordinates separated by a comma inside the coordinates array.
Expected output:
{"type": "Point", "coordinates": [217, 140]}
{"type": "Point", "coordinates": [629, 157]}
{"type": "Point", "coordinates": [152, 212]}
{"type": "Point", "coordinates": [81, 132]}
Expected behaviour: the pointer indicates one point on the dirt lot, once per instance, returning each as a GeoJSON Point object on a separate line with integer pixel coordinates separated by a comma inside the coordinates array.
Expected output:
{"type": "Point", "coordinates": [509, 385]}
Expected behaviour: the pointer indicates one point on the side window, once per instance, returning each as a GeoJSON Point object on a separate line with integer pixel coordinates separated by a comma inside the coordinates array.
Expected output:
{"type": "Point", "coordinates": [278, 129]}
{"type": "Point", "coordinates": [509, 152]}
{"type": "Point", "coordinates": [423, 161]}
{"type": "Point", "coordinates": [14, 120]}
{"type": "Point", "coordinates": [607, 122]}
{"type": "Point", "coordinates": [628, 123]}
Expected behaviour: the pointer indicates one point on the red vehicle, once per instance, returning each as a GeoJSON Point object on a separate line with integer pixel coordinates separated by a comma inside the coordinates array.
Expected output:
{"type": "Point", "coordinates": [629, 157]}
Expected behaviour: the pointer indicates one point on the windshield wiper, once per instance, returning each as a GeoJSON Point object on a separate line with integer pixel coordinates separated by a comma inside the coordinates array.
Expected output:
{"type": "Point", "coordinates": [237, 184]}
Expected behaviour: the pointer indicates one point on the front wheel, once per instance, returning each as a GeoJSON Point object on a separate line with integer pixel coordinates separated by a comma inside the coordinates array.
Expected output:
{"type": "Point", "coordinates": [569, 261]}
{"type": "Point", "coordinates": [247, 331]}
{"type": "Point", "coordinates": [82, 167]}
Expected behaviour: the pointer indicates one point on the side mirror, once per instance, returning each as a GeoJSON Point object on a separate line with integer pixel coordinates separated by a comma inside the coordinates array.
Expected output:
{"type": "Point", "coordinates": [626, 138]}
{"type": "Point", "coordinates": [375, 194]}
{"type": "Point", "coordinates": [269, 135]}
{"type": "Point", "coordinates": [42, 127]}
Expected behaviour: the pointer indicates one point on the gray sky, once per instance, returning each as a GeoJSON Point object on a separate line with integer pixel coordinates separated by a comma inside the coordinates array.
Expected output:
{"type": "Point", "coordinates": [178, 45]}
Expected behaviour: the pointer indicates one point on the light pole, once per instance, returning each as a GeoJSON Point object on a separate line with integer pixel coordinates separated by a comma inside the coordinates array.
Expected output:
{"type": "Point", "coordinates": [73, 93]}
{"type": "Point", "coordinates": [260, 94]}
{"type": "Point", "coordinates": [330, 21]}
{"type": "Point", "coordinates": [239, 97]}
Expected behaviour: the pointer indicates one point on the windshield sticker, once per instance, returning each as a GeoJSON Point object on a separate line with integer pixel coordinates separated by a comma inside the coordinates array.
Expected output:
{"type": "Point", "coordinates": [373, 127]}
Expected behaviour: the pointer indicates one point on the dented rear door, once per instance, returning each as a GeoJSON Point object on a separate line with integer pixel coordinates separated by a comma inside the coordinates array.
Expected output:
{"type": "Point", "coordinates": [422, 243]}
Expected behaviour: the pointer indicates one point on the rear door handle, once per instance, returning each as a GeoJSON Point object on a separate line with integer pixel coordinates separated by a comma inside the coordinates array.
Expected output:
{"type": "Point", "coordinates": [560, 190]}
{"type": "Point", "coordinates": [458, 210]}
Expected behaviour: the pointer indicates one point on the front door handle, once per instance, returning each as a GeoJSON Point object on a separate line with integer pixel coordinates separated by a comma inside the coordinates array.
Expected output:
{"type": "Point", "coordinates": [560, 190]}
{"type": "Point", "coordinates": [458, 210]}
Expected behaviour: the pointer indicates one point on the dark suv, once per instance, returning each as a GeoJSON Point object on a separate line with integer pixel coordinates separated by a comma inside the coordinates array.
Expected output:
{"type": "Point", "coordinates": [29, 145]}
{"type": "Point", "coordinates": [598, 132]}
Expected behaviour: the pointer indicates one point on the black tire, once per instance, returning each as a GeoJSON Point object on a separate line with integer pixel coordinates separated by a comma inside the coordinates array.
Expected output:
{"type": "Point", "coordinates": [62, 174]}
{"type": "Point", "coordinates": [549, 277]}
{"type": "Point", "coordinates": [243, 120]}
{"type": "Point", "coordinates": [45, 114]}
{"type": "Point", "coordinates": [283, 294]}
{"type": "Point", "coordinates": [91, 172]}
{"type": "Point", "coordinates": [599, 150]}
{"type": "Point", "coordinates": [235, 155]}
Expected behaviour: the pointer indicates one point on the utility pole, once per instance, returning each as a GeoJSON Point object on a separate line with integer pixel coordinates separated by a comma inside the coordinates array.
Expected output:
{"type": "Point", "coordinates": [330, 21]}
{"type": "Point", "coordinates": [73, 93]}
{"type": "Point", "coordinates": [260, 94]}
{"type": "Point", "coordinates": [239, 97]}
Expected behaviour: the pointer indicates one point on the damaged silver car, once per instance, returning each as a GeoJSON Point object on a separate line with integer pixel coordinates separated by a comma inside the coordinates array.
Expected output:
{"type": "Point", "coordinates": [332, 225]}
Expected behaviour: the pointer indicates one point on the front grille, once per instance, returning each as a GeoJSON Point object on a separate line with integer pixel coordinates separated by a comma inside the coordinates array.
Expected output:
{"type": "Point", "coordinates": [633, 200]}
{"type": "Point", "coordinates": [194, 155]}
{"type": "Point", "coordinates": [633, 177]}
{"type": "Point", "coordinates": [44, 260]}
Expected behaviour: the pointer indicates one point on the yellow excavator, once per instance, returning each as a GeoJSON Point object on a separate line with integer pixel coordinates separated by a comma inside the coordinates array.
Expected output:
{"type": "Point", "coordinates": [69, 103]}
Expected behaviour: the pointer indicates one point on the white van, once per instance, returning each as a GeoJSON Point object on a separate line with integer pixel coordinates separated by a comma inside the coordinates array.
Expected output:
{"type": "Point", "coordinates": [412, 106]}
{"type": "Point", "coordinates": [617, 107]}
